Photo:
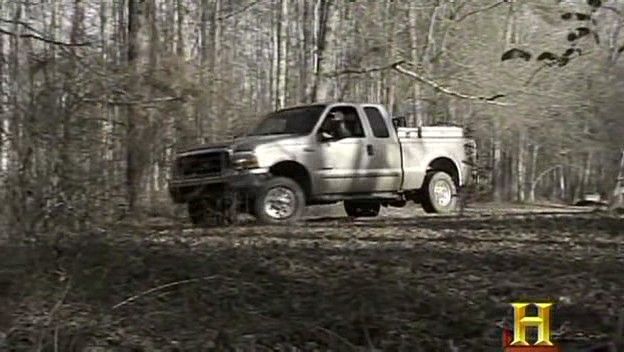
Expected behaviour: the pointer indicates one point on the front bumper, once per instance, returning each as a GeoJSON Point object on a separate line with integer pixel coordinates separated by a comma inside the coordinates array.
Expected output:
{"type": "Point", "coordinates": [183, 190]}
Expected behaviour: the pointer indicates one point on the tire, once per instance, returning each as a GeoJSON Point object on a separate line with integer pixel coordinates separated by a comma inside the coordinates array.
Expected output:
{"type": "Point", "coordinates": [208, 212]}
{"type": "Point", "coordinates": [279, 201]}
{"type": "Point", "coordinates": [444, 201]}
{"type": "Point", "coordinates": [361, 209]}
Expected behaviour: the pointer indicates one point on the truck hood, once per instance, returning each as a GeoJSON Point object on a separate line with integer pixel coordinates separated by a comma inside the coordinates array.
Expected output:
{"type": "Point", "coordinates": [249, 143]}
{"type": "Point", "coordinates": [246, 143]}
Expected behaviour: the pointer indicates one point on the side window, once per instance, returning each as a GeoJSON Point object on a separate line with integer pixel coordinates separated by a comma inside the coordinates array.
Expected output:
{"type": "Point", "coordinates": [376, 122]}
{"type": "Point", "coordinates": [343, 122]}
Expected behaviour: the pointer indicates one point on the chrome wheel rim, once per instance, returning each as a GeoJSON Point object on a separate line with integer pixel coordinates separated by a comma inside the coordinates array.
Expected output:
{"type": "Point", "coordinates": [443, 193]}
{"type": "Point", "coordinates": [280, 203]}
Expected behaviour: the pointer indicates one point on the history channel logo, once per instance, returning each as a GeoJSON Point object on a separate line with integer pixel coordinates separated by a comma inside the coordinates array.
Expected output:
{"type": "Point", "coordinates": [516, 340]}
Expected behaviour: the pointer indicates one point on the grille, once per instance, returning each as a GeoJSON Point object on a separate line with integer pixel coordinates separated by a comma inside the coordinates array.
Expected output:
{"type": "Point", "coordinates": [201, 165]}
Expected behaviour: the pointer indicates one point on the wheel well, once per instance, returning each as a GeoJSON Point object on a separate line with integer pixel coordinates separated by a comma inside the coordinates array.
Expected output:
{"type": "Point", "coordinates": [296, 172]}
{"type": "Point", "coordinates": [447, 165]}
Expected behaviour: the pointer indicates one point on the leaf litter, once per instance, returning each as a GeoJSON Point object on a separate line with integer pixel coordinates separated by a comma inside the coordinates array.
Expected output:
{"type": "Point", "coordinates": [398, 283]}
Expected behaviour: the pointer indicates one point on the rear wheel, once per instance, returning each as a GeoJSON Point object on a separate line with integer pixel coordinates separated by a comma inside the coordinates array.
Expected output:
{"type": "Point", "coordinates": [361, 209]}
{"type": "Point", "coordinates": [439, 193]}
{"type": "Point", "coordinates": [279, 201]}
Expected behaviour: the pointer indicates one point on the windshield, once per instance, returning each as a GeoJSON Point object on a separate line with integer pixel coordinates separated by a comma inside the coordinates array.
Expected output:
{"type": "Point", "coordinates": [299, 121]}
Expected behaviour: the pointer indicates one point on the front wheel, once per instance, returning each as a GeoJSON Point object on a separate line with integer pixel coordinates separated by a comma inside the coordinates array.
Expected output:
{"type": "Point", "coordinates": [439, 193]}
{"type": "Point", "coordinates": [361, 209]}
{"type": "Point", "coordinates": [279, 201]}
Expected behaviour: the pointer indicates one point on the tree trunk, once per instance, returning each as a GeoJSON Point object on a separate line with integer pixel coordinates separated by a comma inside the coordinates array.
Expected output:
{"type": "Point", "coordinates": [562, 184]}
{"type": "Point", "coordinates": [215, 70]}
{"type": "Point", "coordinates": [4, 126]}
{"type": "Point", "coordinates": [521, 167]}
{"type": "Point", "coordinates": [180, 30]}
{"type": "Point", "coordinates": [133, 145]}
{"type": "Point", "coordinates": [418, 103]}
{"type": "Point", "coordinates": [305, 38]}
{"type": "Point", "coordinates": [497, 167]}
{"type": "Point", "coordinates": [534, 153]}
{"type": "Point", "coordinates": [326, 51]}
{"type": "Point", "coordinates": [617, 197]}
{"type": "Point", "coordinates": [201, 110]}
{"type": "Point", "coordinates": [389, 75]}
{"type": "Point", "coordinates": [282, 52]}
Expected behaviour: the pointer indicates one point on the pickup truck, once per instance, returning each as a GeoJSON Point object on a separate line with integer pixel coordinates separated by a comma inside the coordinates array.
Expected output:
{"type": "Point", "coordinates": [323, 153]}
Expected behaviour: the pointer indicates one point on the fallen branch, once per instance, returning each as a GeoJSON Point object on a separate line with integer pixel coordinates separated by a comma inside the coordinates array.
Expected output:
{"type": "Point", "coordinates": [161, 287]}
{"type": "Point", "coordinates": [45, 40]}
{"type": "Point", "coordinates": [488, 100]}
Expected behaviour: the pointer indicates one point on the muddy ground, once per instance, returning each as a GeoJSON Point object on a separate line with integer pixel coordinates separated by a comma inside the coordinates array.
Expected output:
{"type": "Point", "coordinates": [403, 282]}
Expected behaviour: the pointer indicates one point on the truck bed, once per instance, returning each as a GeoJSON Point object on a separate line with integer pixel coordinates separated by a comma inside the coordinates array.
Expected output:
{"type": "Point", "coordinates": [419, 146]}
{"type": "Point", "coordinates": [430, 132]}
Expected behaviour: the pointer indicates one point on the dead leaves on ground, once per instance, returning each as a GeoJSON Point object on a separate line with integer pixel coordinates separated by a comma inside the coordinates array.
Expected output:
{"type": "Point", "coordinates": [389, 284]}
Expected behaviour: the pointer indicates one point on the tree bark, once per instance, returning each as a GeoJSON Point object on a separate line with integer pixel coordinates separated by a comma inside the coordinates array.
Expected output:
{"type": "Point", "coordinates": [389, 75]}
{"type": "Point", "coordinates": [133, 146]}
{"type": "Point", "coordinates": [215, 70]}
{"type": "Point", "coordinates": [497, 167]}
{"type": "Point", "coordinates": [305, 38]}
{"type": "Point", "coordinates": [326, 50]}
{"type": "Point", "coordinates": [201, 110]}
{"type": "Point", "coordinates": [521, 167]}
{"type": "Point", "coordinates": [180, 28]}
{"type": "Point", "coordinates": [4, 126]}
{"type": "Point", "coordinates": [534, 153]}
{"type": "Point", "coordinates": [282, 52]}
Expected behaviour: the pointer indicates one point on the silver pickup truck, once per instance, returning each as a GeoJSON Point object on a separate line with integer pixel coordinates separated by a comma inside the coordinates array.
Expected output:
{"type": "Point", "coordinates": [323, 154]}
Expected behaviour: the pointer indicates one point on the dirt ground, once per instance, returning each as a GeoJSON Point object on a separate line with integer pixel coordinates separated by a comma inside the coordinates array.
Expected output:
{"type": "Point", "coordinates": [403, 282]}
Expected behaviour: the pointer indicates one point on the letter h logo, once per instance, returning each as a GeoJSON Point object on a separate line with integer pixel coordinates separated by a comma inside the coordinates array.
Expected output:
{"type": "Point", "coordinates": [522, 322]}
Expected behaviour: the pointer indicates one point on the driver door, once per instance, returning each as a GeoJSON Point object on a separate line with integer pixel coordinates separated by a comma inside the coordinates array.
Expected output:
{"type": "Point", "coordinates": [341, 160]}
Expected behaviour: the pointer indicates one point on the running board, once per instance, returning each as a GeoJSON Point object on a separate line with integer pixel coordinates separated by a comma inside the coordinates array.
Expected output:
{"type": "Point", "coordinates": [382, 196]}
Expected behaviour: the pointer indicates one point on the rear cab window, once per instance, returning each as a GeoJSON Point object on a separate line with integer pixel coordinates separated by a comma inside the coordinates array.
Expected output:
{"type": "Point", "coordinates": [377, 123]}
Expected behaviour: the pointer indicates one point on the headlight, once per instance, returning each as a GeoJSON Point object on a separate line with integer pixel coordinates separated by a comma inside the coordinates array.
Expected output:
{"type": "Point", "coordinates": [246, 160]}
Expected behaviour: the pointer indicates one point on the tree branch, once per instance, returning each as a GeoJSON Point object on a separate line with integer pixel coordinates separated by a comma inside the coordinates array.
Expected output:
{"type": "Point", "coordinates": [24, 24]}
{"type": "Point", "coordinates": [46, 40]}
{"type": "Point", "coordinates": [397, 66]}
{"type": "Point", "coordinates": [482, 9]}
{"type": "Point", "coordinates": [613, 9]}
{"type": "Point", "coordinates": [236, 12]}
{"type": "Point", "coordinates": [359, 71]}
{"type": "Point", "coordinates": [488, 100]}
{"type": "Point", "coordinates": [131, 102]}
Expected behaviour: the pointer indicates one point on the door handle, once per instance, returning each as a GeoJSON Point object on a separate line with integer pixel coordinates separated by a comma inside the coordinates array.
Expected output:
{"type": "Point", "coordinates": [369, 149]}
